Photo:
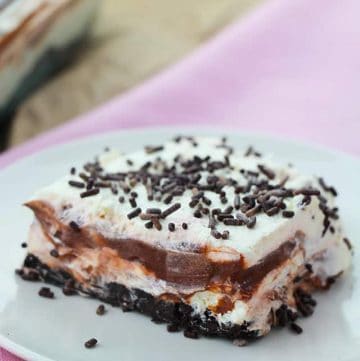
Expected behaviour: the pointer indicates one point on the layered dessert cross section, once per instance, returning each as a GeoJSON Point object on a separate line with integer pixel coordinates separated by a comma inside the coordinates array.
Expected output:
{"type": "Point", "coordinates": [193, 232]}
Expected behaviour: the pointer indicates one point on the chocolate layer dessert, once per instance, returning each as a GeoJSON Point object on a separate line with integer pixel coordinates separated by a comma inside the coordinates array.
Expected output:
{"type": "Point", "coordinates": [194, 233]}
{"type": "Point", "coordinates": [37, 38]}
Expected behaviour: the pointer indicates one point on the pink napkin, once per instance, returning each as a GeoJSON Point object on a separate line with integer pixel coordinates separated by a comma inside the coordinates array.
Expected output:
{"type": "Point", "coordinates": [289, 68]}
{"type": "Point", "coordinates": [7, 356]}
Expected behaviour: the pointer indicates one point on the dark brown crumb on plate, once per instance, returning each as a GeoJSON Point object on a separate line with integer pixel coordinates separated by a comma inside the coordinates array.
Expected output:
{"type": "Point", "coordinates": [100, 310]}
{"type": "Point", "coordinates": [296, 328]}
{"type": "Point", "coordinates": [46, 292]}
{"type": "Point", "coordinates": [91, 343]}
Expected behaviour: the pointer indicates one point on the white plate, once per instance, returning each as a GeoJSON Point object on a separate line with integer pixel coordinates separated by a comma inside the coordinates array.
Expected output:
{"type": "Point", "coordinates": [41, 329]}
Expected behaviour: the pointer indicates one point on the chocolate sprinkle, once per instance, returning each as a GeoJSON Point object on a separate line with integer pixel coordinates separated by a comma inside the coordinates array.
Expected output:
{"type": "Point", "coordinates": [73, 171]}
{"type": "Point", "coordinates": [232, 222]}
{"type": "Point", "coordinates": [46, 292]}
{"type": "Point", "coordinates": [69, 288]}
{"type": "Point", "coordinates": [251, 212]}
{"type": "Point", "coordinates": [84, 177]}
{"type": "Point", "coordinates": [309, 268]}
{"type": "Point", "coordinates": [168, 199]}
{"type": "Point", "coordinates": [171, 227]}
{"type": "Point", "coordinates": [228, 209]}
{"type": "Point", "coordinates": [32, 276]}
{"type": "Point", "coordinates": [170, 210]}
{"type": "Point", "coordinates": [304, 302]}
{"type": "Point", "coordinates": [296, 328]}
{"type": "Point", "coordinates": [184, 226]}
{"type": "Point", "coordinates": [157, 223]}
{"type": "Point", "coordinates": [149, 225]}
{"type": "Point", "coordinates": [91, 343]}
{"type": "Point", "coordinates": [252, 151]}
{"type": "Point", "coordinates": [306, 201]}
{"type": "Point", "coordinates": [90, 193]}
{"type": "Point", "coordinates": [102, 184]}
{"type": "Point", "coordinates": [266, 171]}
{"type": "Point", "coordinates": [216, 234]}
{"type": "Point", "coordinates": [147, 216]}
{"type": "Point", "coordinates": [282, 316]}
{"type": "Point", "coordinates": [237, 201]}
{"type": "Point", "coordinates": [76, 184]}
{"type": "Point", "coordinates": [223, 200]}
{"type": "Point", "coordinates": [74, 226]}
{"type": "Point", "coordinates": [222, 216]}
{"type": "Point", "coordinates": [327, 188]}
{"type": "Point", "coordinates": [193, 203]}
{"type": "Point", "coordinates": [307, 192]}
{"type": "Point", "coordinates": [288, 214]}
{"type": "Point", "coordinates": [212, 222]}
{"type": "Point", "coordinates": [23, 245]}
{"type": "Point", "coordinates": [348, 243]}
{"type": "Point", "coordinates": [197, 213]}
{"type": "Point", "coordinates": [251, 223]}
{"type": "Point", "coordinates": [215, 211]}
{"type": "Point", "coordinates": [134, 213]}
{"type": "Point", "coordinates": [100, 310]}
{"type": "Point", "coordinates": [272, 211]}
{"type": "Point", "coordinates": [133, 202]}
{"type": "Point", "coordinates": [151, 149]}
{"type": "Point", "coordinates": [154, 211]}
{"type": "Point", "coordinates": [54, 253]}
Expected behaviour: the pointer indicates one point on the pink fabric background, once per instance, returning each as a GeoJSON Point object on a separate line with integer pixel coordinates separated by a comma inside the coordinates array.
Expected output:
{"type": "Point", "coordinates": [6, 356]}
{"type": "Point", "coordinates": [290, 68]}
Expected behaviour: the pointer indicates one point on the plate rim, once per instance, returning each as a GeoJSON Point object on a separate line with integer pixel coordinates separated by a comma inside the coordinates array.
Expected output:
{"type": "Point", "coordinates": [177, 129]}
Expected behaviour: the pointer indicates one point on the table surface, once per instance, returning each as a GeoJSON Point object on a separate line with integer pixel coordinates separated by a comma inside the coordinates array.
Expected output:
{"type": "Point", "coordinates": [131, 41]}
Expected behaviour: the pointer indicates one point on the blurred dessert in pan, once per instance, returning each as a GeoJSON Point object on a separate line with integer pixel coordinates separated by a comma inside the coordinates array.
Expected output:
{"type": "Point", "coordinates": [37, 38]}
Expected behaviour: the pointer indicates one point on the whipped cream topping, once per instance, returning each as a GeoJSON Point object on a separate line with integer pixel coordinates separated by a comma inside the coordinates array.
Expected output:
{"type": "Point", "coordinates": [109, 217]}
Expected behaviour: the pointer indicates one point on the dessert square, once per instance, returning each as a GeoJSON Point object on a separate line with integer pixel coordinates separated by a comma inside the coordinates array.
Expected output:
{"type": "Point", "coordinates": [194, 233]}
